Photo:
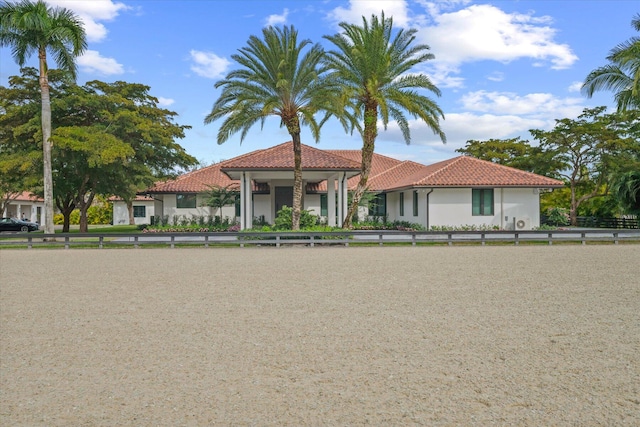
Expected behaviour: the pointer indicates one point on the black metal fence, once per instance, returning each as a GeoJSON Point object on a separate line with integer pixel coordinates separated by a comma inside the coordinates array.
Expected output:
{"type": "Point", "coordinates": [343, 238]}
{"type": "Point", "coordinates": [599, 222]}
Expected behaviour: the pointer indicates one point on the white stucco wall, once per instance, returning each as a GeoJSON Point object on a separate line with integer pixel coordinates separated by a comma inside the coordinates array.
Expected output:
{"type": "Point", "coordinates": [452, 207]}
{"type": "Point", "coordinates": [121, 213]}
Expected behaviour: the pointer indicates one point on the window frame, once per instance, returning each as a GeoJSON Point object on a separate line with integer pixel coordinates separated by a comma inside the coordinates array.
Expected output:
{"type": "Point", "coordinates": [136, 209]}
{"type": "Point", "coordinates": [183, 198]}
{"type": "Point", "coordinates": [402, 203]}
{"type": "Point", "coordinates": [479, 204]}
{"type": "Point", "coordinates": [415, 202]}
{"type": "Point", "coordinates": [378, 205]}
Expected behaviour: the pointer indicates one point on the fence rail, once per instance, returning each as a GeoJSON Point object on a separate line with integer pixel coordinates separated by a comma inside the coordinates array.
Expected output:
{"type": "Point", "coordinates": [345, 238]}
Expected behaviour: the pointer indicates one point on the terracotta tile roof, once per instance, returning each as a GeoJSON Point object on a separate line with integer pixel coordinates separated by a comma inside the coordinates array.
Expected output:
{"type": "Point", "coordinates": [197, 181]}
{"type": "Point", "coordinates": [281, 157]}
{"type": "Point", "coordinates": [25, 196]}
{"type": "Point", "coordinates": [465, 171]}
{"type": "Point", "coordinates": [386, 173]}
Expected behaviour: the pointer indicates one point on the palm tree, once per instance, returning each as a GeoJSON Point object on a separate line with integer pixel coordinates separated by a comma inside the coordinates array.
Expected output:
{"type": "Point", "coordinates": [621, 75]}
{"type": "Point", "coordinates": [33, 27]}
{"type": "Point", "coordinates": [276, 79]}
{"type": "Point", "coordinates": [373, 68]}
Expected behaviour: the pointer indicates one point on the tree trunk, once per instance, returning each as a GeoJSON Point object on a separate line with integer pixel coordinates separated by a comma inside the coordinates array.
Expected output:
{"type": "Point", "coordinates": [368, 145]}
{"type": "Point", "coordinates": [84, 205]}
{"type": "Point", "coordinates": [132, 220]}
{"type": "Point", "coordinates": [293, 126]}
{"type": "Point", "coordinates": [573, 208]}
{"type": "Point", "coordinates": [46, 144]}
{"type": "Point", "coordinates": [66, 207]}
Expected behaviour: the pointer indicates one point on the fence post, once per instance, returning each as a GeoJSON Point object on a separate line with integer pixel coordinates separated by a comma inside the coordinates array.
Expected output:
{"type": "Point", "coordinates": [615, 238]}
{"type": "Point", "coordinates": [550, 239]}
{"type": "Point", "coordinates": [135, 242]}
{"type": "Point", "coordinates": [29, 244]}
{"type": "Point", "coordinates": [206, 241]}
{"type": "Point", "coordinates": [66, 242]}
{"type": "Point", "coordinates": [516, 238]}
{"type": "Point", "coordinates": [100, 238]}
{"type": "Point", "coordinates": [311, 244]}
{"type": "Point", "coordinates": [278, 241]}
{"type": "Point", "coordinates": [482, 238]}
{"type": "Point", "coordinates": [413, 239]}
{"type": "Point", "coordinates": [380, 239]}
{"type": "Point", "coordinates": [449, 238]}
{"type": "Point", "coordinates": [173, 239]}
{"type": "Point", "coordinates": [584, 235]}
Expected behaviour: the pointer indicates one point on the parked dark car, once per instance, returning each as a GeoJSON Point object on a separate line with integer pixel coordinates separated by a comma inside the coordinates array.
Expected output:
{"type": "Point", "coordinates": [15, 224]}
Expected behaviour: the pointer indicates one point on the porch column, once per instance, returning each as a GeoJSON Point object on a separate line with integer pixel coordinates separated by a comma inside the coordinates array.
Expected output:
{"type": "Point", "coordinates": [242, 189]}
{"type": "Point", "coordinates": [331, 201]}
{"type": "Point", "coordinates": [342, 198]}
{"type": "Point", "coordinates": [248, 208]}
{"type": "Point", "coordinates": [345, 197]}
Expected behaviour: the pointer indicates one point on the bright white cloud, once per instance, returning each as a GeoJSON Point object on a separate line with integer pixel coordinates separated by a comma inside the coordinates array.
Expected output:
{"type": "Point", "coordinates": [359, 8]}
{"type": "Point", "coordinates": [165, 102]}
{"type": "Point", "coordinates": [208, 64]}
{"type": "Point", "coordinates": [92, 62]}
{"type": "Point", "coordinates": [277, 19]}
{"type": "Point", "coordinates": [484, 32]}
{"type": "Point", "coordinates": [91, 12]}
{"type": "Point", "coordinates": [575, 86]}
{"type": "Point", "coordinates": [535, 104]}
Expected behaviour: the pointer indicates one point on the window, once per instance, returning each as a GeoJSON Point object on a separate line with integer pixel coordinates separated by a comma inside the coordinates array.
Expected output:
{"type": "Point", "coordinates": [401, 204]}
{"type": "Point", "coordinates": [139, 211]}
{"type": "Point", "coordinates": [185, 201]}
{"type": "Point", "coordinates": [237, 204]}
{"type": "Point", "coordinates": [415, 203]}
{"type": "Point", "coordinates": [378, 205]}
{"type": "Point", "coordinates": [324, 205]}
{"type": "Point", "coordinates": [482, 201]}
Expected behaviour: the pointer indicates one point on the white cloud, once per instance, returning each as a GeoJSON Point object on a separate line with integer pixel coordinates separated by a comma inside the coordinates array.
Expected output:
{"type": "Point", "coordinates": [208, 64]}
{"type": "Point", "coordinates": [484, 32]}
{"type": "Point", "coordinates": [165, 102]}
{"type": "Point", "coordinates": [496, 76]}
{"type": "Point", "coordinates": [359, 8]}
{"type": "Point", "coordinates": [575, 87]}
{"type": "Point", "coordinates": [91, 12]}
{"type": "Point", "coordinates": [277, 19]}
{"type": "Point", "coordinates": [533, 104]}
{"type": "Point", "coordinates": [92, 62]}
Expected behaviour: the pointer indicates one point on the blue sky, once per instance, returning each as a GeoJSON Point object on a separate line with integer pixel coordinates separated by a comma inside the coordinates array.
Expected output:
{"type": "Point", "coordinates": [503, 67]}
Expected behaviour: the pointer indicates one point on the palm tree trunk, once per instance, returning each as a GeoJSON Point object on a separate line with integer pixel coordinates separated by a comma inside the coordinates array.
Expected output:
{"type": "Point", "coordinates": [46, 144]}
{"type": "Point", "coordinates": [297, 182]}
{"type": "Point", "coordinates": [293, 126]}
{"type": "Point", "coordinates": [369, 140]}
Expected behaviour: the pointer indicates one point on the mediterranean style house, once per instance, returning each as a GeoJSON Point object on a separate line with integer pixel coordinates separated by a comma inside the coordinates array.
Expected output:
{"type": "Point", "coordinates": [23, 205]}
{"type": "Point", "coordinates": [456, 192]}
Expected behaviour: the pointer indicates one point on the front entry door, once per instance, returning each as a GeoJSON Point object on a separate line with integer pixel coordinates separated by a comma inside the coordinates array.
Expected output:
{"type": "Point", "coordinates": [284, 196]}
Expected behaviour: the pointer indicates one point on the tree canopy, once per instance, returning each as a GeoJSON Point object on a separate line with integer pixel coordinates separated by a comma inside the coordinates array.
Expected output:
{"type": "Point", "coordinates": [111, 138]}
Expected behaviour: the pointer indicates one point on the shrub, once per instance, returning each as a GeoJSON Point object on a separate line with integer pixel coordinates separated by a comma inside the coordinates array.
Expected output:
{"type": "Point", "coordinates": [284, 219]}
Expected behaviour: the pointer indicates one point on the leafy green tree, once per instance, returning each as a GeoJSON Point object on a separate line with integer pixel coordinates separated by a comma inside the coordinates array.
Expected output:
{"type": "Point", "coordinates": [110, 137]}
{"type": "Point", "coordinates": [621, 75]}
{"type": "Point", "coordinates": [374, 68]}
{"type": "Point", "coordinates": [32, 27]}
{"type": "Point", "coordinates": [586, 150]}
{"type": "Point", "coordinates": [277, 78]}
{"type": "Point", "coordinates": [219, 197]}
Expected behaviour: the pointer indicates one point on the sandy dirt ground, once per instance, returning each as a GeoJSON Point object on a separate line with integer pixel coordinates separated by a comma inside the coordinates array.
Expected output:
{"type": "Point", "coordinates": [434, 336]}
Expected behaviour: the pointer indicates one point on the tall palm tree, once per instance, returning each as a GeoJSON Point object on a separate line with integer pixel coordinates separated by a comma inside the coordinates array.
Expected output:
{"type": "Point", "coordinates": [275, 79]}
{"type": "Point", "coordinates": [621, 75]}
{"type": "Point", "coordinates": [373, 66]}
{"type": "Point", "coordinates": [32, 27]}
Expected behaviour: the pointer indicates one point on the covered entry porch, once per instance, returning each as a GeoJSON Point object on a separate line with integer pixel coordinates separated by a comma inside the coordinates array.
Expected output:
{"type": "Point", "coordinates": [266, 182]}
